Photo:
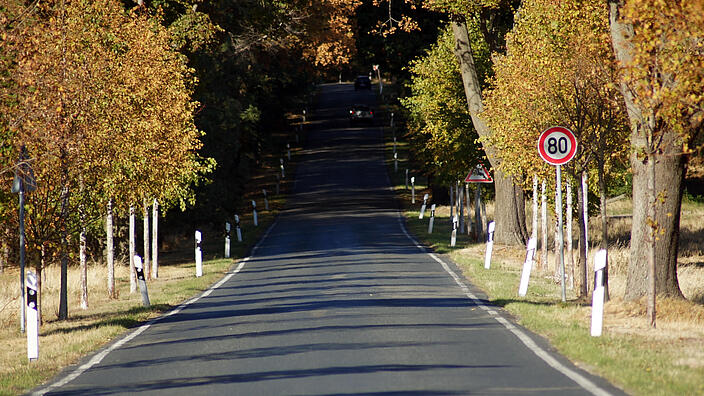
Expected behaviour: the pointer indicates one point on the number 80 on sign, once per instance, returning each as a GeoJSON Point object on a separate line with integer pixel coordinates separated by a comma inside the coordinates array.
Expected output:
{"type": "Point", "coordinates": [557, 145]}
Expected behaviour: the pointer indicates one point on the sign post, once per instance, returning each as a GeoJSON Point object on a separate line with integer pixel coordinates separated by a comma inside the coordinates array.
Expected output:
{"type": "Point", "coordinates": [227, 239]}
{"type": "Point", "coordinates": [489, 244]}
{"type": "Point", "coordinates": [32, 318]}
{"type": "Point", "coordinates": [254, 213]}
{"type": "Point", "coordinates": [413, 189]}
{"type": "Point", "coordinates": [598, 295]}
{"type": "Point", "coordinates": [139, 269]}
{"type": "Point", "coordinates": [557, 146]}
{"type": "Point", "coordinates": [527, 265]}
{"type": "Point", "coordinates": [422, 208]}
{"type": "Point", "coordinates": [432, 219]}
{"type": "Point", "coordinates": [453, 236]}
{"type": "Point", "coordinates": [238, 229]}
{"type": "Point", "coordinates": [199, 255]}
{"type": "Point", "coordinates": [23, 182]}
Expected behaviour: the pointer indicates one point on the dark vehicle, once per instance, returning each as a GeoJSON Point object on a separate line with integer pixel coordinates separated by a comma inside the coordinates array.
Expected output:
{"type": "Point", "coordinates": [362, 82]}
{"type": "Point", "coordinates": [361, 113]}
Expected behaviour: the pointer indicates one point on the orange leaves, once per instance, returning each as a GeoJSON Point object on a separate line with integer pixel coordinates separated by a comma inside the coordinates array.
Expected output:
{"type": "Point", "coordinates": [666, 70]}
{"type": "Point", "coordinates": [107, 88]}
{"type": "Point", "coordinates": [558, 71]}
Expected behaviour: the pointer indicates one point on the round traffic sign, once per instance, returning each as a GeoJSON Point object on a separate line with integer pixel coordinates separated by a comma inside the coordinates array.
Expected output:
{"type": "Point", "coordinates": [557, 145]}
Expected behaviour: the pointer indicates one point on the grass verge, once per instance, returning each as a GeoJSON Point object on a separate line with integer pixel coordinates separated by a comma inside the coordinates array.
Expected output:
{"type": "Point", "coordinates": [64, 343]}
{"type": "Point", "coordinates": [668, 360]}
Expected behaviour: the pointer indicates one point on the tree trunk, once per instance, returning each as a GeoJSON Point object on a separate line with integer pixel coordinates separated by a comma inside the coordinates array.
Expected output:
{"type": "Point", "coordinates": [130, 260]}
{"type": "Point", "coordinates": [63, 293]}
{"type": "Point", "coordinates": [582, 286]}
{"type": "Point", "coordinates": [669, 170]}
{"type": "Point", "coordinates": [469, 213]}
{"type": "Point", "coordinates": [155, 239]}
{"type": "Point", "coordinates": [83, 260]}
{"type": "Point", "coordinates": [544, 226]}
{"type": "Point", "coordinates": [509, 214]}
{"type": "Point", "coordinates": [452, 205]}
{"type": "Point", "coordinates": [39, 267]}
{"type": "Point", "coordinates": [145, 222]}
{"type": "Point", "coordinates": [604, 220]}
{"type": "Point", "coordinates": [5, 255]}
{"type": "Point", "coordinates": [111, 251]}
{"type": "Point", "coordinates": [669, 173]}
{"type": "Point", "coordinates": [534, 225]}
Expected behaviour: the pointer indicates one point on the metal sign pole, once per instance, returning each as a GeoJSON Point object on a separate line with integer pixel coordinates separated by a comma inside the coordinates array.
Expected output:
{"type": "Point", "coordinates": [560, 237]}
{"type": "Point", "coordinates": [22, 259]}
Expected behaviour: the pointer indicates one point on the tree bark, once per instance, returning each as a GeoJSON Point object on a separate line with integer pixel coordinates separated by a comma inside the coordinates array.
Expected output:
{"type": "Point", "coordinates": [544, 226]}
{"type": "Point", "coordinates": [5, 256]}
{"type": "Point", "coordinates": [534, 228]}
{"type": "Point", "coordinates": [130, 260]}
{"type": "Point", "coordinates": [604, 220]}
{"type": "Point", "coordinates": [509, 211]}
{"type": "Point", "coordinates": [581, 285]}
{"type": "Point", "coordinates": [669, 169]}
{"type": "Point", "coordinates": [145, 222]}
{"type": "Point", "coordinates": [63, 293]}
{"type": "Point", "coordinates": [83, 260]}
{"type": "Point", "coordinates": [155, 239]}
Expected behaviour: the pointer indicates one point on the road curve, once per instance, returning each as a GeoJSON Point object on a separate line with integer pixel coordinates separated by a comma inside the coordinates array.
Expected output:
{"type": "Point", "coordinates": [336, 299]}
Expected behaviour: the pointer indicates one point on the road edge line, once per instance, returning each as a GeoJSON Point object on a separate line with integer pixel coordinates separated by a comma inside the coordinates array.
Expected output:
{"type": "Point", "coordinates": [578, 378]}
{"type": "Point", "coordinates": [97, 358]}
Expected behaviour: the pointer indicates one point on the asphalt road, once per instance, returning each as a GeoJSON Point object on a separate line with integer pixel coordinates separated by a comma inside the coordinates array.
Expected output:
{"type": "Point", "coordinates": [335, 300]}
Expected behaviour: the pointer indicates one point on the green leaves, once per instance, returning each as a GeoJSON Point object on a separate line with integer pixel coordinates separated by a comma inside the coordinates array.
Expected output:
{"type": "Point", "coordinates": [440, 128]}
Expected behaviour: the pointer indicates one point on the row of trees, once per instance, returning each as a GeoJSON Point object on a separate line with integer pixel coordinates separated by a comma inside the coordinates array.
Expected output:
{"type": "Point", "coordinates": [122, 105]}
{"type": "Point", "coordinates": [626, 77]}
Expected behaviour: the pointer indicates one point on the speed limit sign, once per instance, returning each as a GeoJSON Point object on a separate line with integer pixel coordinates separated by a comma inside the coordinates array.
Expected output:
{"type": "Point", "coordinates": [557, 145]}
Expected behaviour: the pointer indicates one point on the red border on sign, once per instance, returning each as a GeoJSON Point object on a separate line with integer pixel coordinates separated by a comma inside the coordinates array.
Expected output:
{"type": "Point", "coordinates": [488, 179]}
{"type": "Point", "coordinates": [545, 156]}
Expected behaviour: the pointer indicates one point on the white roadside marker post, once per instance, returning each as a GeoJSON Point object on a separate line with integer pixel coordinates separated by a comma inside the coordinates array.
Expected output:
{"type": "Point", "coordinates": [199, 255]}
{"type": "Point", "coordinates": [141, 281]}
{"type": "Point", "coordinates": [489, 244]}
{"type": "Point", "coordinates": [32, 317]}
{"type": "Point", "coordinates": [254, 213]}
{"type": "Point", "coordinates": [283, 173]}
{"type": "Point", "coordinates": [288, 151]}
{"type": "Point", "coordinates": [598, 295]}
{"type": "Point", "coordinates": [453, 237]}
{"type": "Point", "coordinates": [432, 219]}
{"type": "Point", "coordinates": [395, 162]}
{"type": "Point", "coordinates": [238, 229]}
{"type": "Point", "coordinates": [422, 208]}
{"type": "Point", "coordinates": [413, 189]}
{"type": "Point", "coordinates": [527, 266]}
{"type": "Point", "coordinates": [227, 239]}
{"type": "Point", "coordinates": [266, 200]}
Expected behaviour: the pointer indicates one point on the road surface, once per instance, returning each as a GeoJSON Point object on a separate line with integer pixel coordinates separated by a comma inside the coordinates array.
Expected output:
{"type": "Point", "coordinates": [335, 300]}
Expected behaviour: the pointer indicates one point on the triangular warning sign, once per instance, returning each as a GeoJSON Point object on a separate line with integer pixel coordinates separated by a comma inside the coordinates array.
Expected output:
{"type": "Point", "coordinates": [479, 175]}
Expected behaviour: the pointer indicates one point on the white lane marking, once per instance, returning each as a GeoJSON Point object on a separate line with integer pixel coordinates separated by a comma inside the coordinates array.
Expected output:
{"type": "Point", "coordinates": [101, 355]}
{"type": "Point", "coordinates": [582, 381]}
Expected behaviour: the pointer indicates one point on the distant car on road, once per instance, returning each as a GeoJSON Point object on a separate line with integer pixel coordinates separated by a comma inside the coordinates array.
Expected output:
{"type": "Point", "coordinates": [361, 113]}
{"type": "Point", "coordinates": [362, 82]}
